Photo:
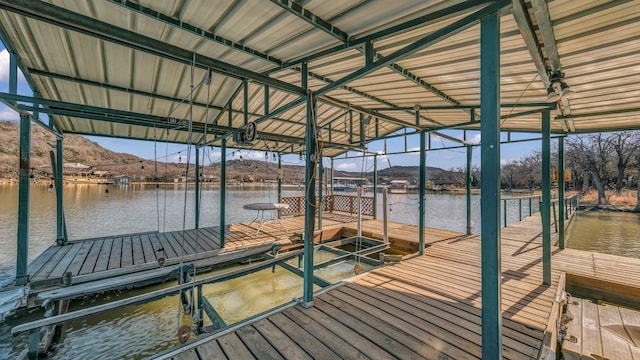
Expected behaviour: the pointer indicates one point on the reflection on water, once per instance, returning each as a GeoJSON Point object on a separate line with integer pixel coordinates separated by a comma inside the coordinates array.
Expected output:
{"type": "Point", "coordinates": [614, 233]}
{"type": "Point", "coordinates": [139, 331]}
{"type": "Point", "coordinates": [249, 295]}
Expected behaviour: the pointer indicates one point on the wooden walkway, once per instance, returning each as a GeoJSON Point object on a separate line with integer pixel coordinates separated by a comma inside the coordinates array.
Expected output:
{"type": "Point", "coordinates": [424, 307]}
{"type": "Point", "coordinates": [133, 252]}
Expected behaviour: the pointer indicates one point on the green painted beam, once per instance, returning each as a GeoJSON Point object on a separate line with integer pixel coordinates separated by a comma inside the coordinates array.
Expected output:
{"type": "Point", "coordinates": [422, 189]}
{"type": "Point", "coordinates": [280, 171]}
{"type": "Point", "coordinates": [22, 256]}
{"type": "Point", "coordinates": [375, 186]}
{"type": "Point", "coordinates": [179, 23]}
{"type": "Point", "coordinates": [436, 36]}
{"type": "Point", "coordinates": [223, 188]}
{"type": "Point", "coordinates": [321, 184]}
{"type": "Point", "coordinates": [561, 214]}
{"type": "Point", "coordinates": [61, 233]}
{"type": "Point", "coordinates": [390, 31]}
{"type": "Point", "coordinates": [310, 193]}
{"type": "Point", "coordinates": [490, 186]}
{"type": "Point", "coordinates": [468, 187]}
{"type": "Point", "coordinates": [197, 190]}
{"type": "Point", "coordinates": [13, 73]}
{"type": "Point", "coordinates": [306, 15]}
{"type": "Point", "coordinates": [67, 19]}
{"type": "Point", "coordinates": [545, 207]}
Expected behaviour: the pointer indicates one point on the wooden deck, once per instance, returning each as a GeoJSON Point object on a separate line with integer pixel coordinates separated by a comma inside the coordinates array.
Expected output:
{"type": "Point", "coordinates": [133, 252]}
{"type": "Point", "coordinates": [424, 307]}
{"type": "Point", "coordinates": [601, 331]}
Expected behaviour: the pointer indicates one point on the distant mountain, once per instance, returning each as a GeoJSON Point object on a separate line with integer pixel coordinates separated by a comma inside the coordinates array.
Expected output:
{"type": "Point", "coordinates": [78, 149]}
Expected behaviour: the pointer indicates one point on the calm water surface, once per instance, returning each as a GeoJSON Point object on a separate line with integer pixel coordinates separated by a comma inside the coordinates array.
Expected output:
{"type": "Point", "coordinates": [147, 329]}
{"type": "Point", "coordinates": [606, 232]}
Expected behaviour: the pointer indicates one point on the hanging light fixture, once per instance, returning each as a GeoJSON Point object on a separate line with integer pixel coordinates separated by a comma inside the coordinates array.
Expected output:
{"type": "Point", "coordinates": [558, 89]}
{"type": "Point", "coordinates": [552, 95]}
{"type": "Point", "coordinates": [565, 91]}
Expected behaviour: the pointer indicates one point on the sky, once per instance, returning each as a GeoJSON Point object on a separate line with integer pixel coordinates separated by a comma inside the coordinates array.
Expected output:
{"type": "Point", "coordinates": [445, 159]}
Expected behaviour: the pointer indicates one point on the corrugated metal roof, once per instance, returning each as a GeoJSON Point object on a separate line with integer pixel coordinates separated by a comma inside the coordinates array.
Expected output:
{"type": "Point", "coordinates": [597, 42]}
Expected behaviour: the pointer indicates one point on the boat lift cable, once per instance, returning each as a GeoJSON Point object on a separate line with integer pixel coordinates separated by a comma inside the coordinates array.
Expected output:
{"type": "Point", "coordinates": [155, 175]}
{"type": "Point", "coordinates": [185, 330]}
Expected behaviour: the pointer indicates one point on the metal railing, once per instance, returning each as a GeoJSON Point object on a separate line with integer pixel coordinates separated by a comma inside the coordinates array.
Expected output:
{"type": "Point", "coordinates": [343, 204]}
{"type": "Point", "coordinates": [531, 204]}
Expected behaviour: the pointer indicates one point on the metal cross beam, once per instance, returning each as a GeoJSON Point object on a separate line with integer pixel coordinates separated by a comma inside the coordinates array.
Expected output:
{"type": "Point", "coordinates": [372, 55]}
{"type": "Point", "coordinates": [521, 15]}
{"type": "Point", "coordinates": [382, 34]}
{"type": "Point", "coordinates": [98, 29]}
{"type": "Point", "coordinates": [545, 26]}
{"type": "Point", "coordinates": [169, 20]}
{"type": "Point", "coordinates": [418, 45]}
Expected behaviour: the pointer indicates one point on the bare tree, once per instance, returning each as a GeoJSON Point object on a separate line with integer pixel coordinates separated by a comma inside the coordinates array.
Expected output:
{"type": "Point", "coordinates": [590, 153]}
{"type": "Point", "coordinates": [625, 146]}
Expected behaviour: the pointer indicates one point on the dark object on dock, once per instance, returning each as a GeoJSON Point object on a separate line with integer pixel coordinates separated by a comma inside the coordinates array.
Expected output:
{"type": "Point", "coordinates": [184, 333]}
{"type": "Point", "coordinates": [67, 278]}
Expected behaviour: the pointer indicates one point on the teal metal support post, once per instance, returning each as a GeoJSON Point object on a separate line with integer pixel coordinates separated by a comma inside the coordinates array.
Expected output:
{"type": "Point", "coordinates": [375, 185]}
{"type": "Point", "coordinates": [561, 204]}
{"type": "Point", "coordinates": [320, 176]}
{"type": "Point", "coordinates": [422, 188]}
{"type": "Point", "coordinates": [546, 198]}
{"type": "Point", "coordinates": [331, 176]}
{"type": "Point", "coordinates": [197, 190]}
{"type": "Point", "coordinates": [468, 192]}
{"type": "Point", "coordinates": [23, 200]}
{"type": "Point", "coordinates": [490, 186]}
{"type": "Point", "coordinates": [310, 194]}
{"type": "Point", "coordinates": [279, 181]}
{"type": "Point", "coordinates": [13, 73]}
{"type": "Point", "coordinates": [223, 187]}
{"type": "Point", "coordinates": [61, 232]}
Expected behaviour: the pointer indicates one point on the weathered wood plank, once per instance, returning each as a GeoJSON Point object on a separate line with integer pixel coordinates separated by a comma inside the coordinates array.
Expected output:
{"type": "Point", "coordinates": [127, 252]}
{"type": "Point", "coordinates": [187, 355]}
{"type": "Point", "coordinates": [79, 259]}
{"type": "Point", "coordinates": [374, 333]}
{"type": "Point", "coordinates": [233, 347]}
{"type": "Point", "coordinates": [105, 254]}
{"type": "Point", "coordinates": [92, 257]}
{"type": "Point", "coordinates": [62, 264]}
{"type": "Point", "coordinates": [280, 341]}
{"type": "Point", "coordinates": [42, 259]}
{"type": "Point", "coordinates": [257, 344]}
{"type": "Point", "coordinates": [613, 345]}
{"type": "Point", "coordinates": [328, 337]}
{"type": "Point", "coordinates": [362, 343]}
{"type": "Point", "coordinates": [148, 249]}
{"type": "Point", "coordinates": [138, 252]}
{"type": "Point", "coordinates": [116, 254]}
{"type": "Point", "coordinates": [572, 343]}
{"type": "Point", "coordinates": [210, 351]}
{"type": "Point", "coordinates": [311, 345]}
{"type": "Point", "coordinates": [591, 343]}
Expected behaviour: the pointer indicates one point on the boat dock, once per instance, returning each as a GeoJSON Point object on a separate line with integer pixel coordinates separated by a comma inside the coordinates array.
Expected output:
{"type": "Point", "coordinates": [107, 257]}
{"type": "Point", "coordinates": [426, 306]}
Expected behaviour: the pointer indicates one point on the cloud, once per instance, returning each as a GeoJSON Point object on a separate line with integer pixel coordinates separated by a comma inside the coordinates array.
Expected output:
{"type": "Point", "coordinates": [475, 139]}
{"type": "Point", "coordinates": [4, 68]}
{"type": "Point", "coordinates": [8, 114]}
{"type": "Point", "coordinates": [346, 166]}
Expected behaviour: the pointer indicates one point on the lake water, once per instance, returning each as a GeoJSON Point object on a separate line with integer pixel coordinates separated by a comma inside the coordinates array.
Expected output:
{"type": "Point", "coordinates": [138, 208]}
{"type": "Point", "coordinates": [140, 331]}
{"type": "Point", "coordinates": [148, 329]}
{"type": "Point", "coordinates": [607, 232]}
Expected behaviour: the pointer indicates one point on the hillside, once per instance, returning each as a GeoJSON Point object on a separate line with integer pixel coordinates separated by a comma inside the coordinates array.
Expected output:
{"type": "Point", "coordinates": [78, 149]}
